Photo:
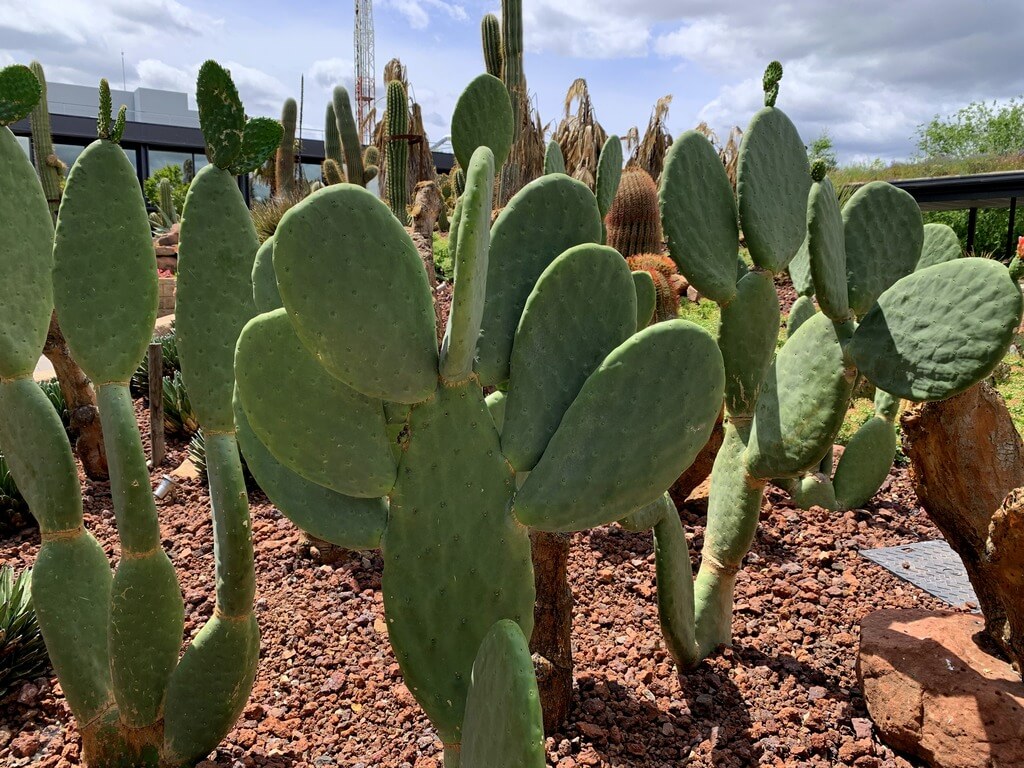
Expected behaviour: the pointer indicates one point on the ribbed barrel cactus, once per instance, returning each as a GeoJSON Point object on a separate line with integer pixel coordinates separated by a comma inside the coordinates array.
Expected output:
{"type": "Point", "coordinates": [367, 435]}
{"type": "Point", "coordinates": [114, 639]}
{"type": "Point", "coordinates": [917, 335]}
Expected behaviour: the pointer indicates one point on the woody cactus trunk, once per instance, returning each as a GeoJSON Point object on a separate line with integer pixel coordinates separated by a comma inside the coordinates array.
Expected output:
{"type": "Point", "coordinates": [74, 384]}
{"type": "Point", "coordinates": [921, 336]}
{"type": "Point", "coordinates": [114, 639]}
{"type": "Point", "coordinates": [368, 435]}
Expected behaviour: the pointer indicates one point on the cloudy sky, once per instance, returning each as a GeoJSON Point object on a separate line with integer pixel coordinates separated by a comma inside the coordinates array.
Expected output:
{"type": "Point", "coordinates": [869, 72]}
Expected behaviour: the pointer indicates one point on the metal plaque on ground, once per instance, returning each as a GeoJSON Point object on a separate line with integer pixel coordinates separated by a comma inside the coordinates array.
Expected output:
{"type": "Point", "coordinates": [931, 565]}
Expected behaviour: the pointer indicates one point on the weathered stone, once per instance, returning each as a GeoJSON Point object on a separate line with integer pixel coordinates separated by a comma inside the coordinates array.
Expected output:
{"type": "Point", "coordinates": [934, 693]}
{"type": "Point", "coordinates": [966, 456]}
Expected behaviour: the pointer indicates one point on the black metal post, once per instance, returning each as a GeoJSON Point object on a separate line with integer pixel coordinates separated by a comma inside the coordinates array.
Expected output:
{"type": "Point", "coordinates": [1009, 229]}
{"type": "Point", "coordinates": [972, 226]}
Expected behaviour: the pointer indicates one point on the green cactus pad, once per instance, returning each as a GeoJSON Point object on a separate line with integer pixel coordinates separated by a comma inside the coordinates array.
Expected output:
{"type": "Point", "coordinates": [646, 517]}
{"type": "Point", "coordinates": [865, 463]}
{"type": "Point", "coordinates": [19, 93]}
{"type": "Point", "coordinates": [646, 298]}
{"type": "Point", "coordinates": [343, 248]}
{"type": "Point", "coordinates": [71, 589]}
{"type": "Point", "coordinates": [310, 421]}
{"type": "Point", "coordinates": [886, 406]}
{"type": "Point", "coordinates": [826, 249]}
{"type": "Point", "coordinates": [543, 220]}
{"type": "Point", "coordinates": [209, 688]}
{"type": "Point", "coordinates": [103, 231]}
{"type": "Point", "coordinates": [482, 118]}
{"type": "Point", "coordinates": [802, 403]}
{"type": "Point", "coordinates": [800, 271]}
{"type": "Point", "coordinates": [675, 585]}
{"type": "Point", "coordinates": [939, 331]}
{"type": "Point", "coordinates": [609, 171]}
{"type": "Point", "coordinates": [342, 520]}
{"type": "Point", "coordinates": [747, 335]}
{"type": "Point", "coordinates": [803, 309]}
{"type": "Point", "coordinates": [814, 490]}
{"type": "Point", "coordinates": [504, 727]}
{"type": "Point", "coordinates": [940, 245]}
{"type": "Point", "coordinates": [611, 455]}
{"type": "Point", "coordinates": [698, 213]}
{"type": "Point", "coordinates": [215, 294]}
{"type": "Point", "coordinates": [554, 162]}
{"type": "Point", "coordinates": [26, 261]}
{"type": "Point", "coordinates": [772, 182]}
{"type": "Point", "coordinates": [264, 282]}
{"type": "Point", "coordinates": [473, 243]}
{"type": "Point", "coordinates": [559, 344]}
{"type": "Point", "coordinates": [884, 235]}
{"type": "Point", "coordinates": [496, 407]}
{"type": "Point", "coordinates": [451, 506]}
{"type": "Point", "coordinates": [260, 140]}
{"type": "Point", "coordinates": [221, 116]}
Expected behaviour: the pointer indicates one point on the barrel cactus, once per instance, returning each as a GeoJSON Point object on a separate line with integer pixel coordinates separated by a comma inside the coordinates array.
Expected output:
{"type": "Point", "coordinates": [114, 639]}
{"type": "Point", "coordinates": [368, 435]}
{"type": "Point", "coordinates": [632, 220]}
{"type": "Point", "coordinates": [918, 335]}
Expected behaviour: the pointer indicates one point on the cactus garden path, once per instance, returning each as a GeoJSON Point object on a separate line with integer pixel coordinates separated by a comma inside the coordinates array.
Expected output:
{"type": "Point", "coordinates": [329, 692]}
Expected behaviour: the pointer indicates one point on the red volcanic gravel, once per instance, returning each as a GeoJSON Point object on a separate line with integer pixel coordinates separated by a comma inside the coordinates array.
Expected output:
{"type": "Point", "coordinates": [329, 692]}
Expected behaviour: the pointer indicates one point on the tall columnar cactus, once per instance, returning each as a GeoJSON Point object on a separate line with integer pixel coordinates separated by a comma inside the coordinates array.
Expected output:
{"type": "Point", "coordinates": [918, 335]}
{"type": "Point", "coordinates": [114, 639]}
{"type": "Point", "coordinates": [512, 59]}
{"type": "Point", "coordinates": [167, 212]}
{"type": "Point", "coordinates": [397, 150]}
{"type": "Point", "coordinates": [407, 454]}
{"type": "Point", "coordinates": [284, 169]}
{"type": "Point", "coordinates": [48, 165]}
{"type": "Point", "coordinates": [490, 34]}
{"type": "Point", "coordinates": [332, 137]}
{"type": "Point", "coordinates": [632, 220]}
{"type": "Point", "coordinates": [360, 168]}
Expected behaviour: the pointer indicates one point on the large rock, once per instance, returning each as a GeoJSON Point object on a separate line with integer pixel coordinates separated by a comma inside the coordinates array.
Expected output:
{"type": "Point", "coordinates": [933, 693]}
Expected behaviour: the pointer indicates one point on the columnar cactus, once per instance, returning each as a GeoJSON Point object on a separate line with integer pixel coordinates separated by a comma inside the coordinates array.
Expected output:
{"type": "Point", "coordinates": [332, 137]}
{"type": "Point", "coordinates": [114, 639]}
{"type": "Point", "coordinates": [490, 34]}
{"type": "Point", "coordinates": [920, 336]}
{"type": "Point", "coordinates": [512, 59]}
{"type": "Point", "coordinates": [397, 150]}
{"type": "Point", "coordinates": [284, 169]}
{"type": "Point", "coordinates": [333, 173]}
{"type": "Point", "coordinates": [554, 160]}
{"type": "Point", "coordinates": [407, 454]}
{"type": "Point", "coordinates": [360, 168]}
{"type": "Point", "coordinates": [49, 166]}
{"type": "Point", "coordinates": [632, 220]}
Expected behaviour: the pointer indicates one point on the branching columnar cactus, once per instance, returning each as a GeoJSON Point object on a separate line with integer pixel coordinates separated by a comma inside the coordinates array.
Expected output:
{"type": "Point", "coordinates": [397, 150]}
{"type": "Point", "coordinates": [919, 335]}
{"type": "Point", "coordinates": [284, 168]}
{"type": "Point", "coordinates": [367, 435]}
{"type": "Point", "coordinates": [114, 639]}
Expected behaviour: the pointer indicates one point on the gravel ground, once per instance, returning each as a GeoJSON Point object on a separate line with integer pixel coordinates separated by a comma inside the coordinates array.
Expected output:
{"type": "Point", "coordinates": [329, 692]}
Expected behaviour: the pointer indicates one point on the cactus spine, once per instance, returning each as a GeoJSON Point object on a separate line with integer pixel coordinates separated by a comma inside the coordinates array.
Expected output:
{"type": "Point", "coordinates": [396, 402]}
{"type": "Point", "coordinates": [48, 165]}
{"type": "Point", "coordinates": [490, 33]}
{"type": "Point", "coordinates": [397, 150]}
{"type": "Point", "coordinates": [878, 319]}
{"type": "Point", "coordinates": [284, 169]}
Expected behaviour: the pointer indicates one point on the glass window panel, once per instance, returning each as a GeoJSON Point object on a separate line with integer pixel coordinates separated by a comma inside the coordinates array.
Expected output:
{"type": "Point", "coordinates": [26, 144]}
{"type": "Point", "coordinates": [159, 158]}
{"type": "Point", "coordinates": [67, 153]}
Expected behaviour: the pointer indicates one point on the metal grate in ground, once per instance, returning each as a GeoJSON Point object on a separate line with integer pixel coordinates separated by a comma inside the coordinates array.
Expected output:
{"type": "Point", "coordinates": [931, 565]}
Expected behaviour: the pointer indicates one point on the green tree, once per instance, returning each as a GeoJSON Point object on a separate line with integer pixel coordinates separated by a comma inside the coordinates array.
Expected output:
{"type": "Point", "coordinates": [823, 148]}
{"type": "Point", "coordinates": [980, 128]}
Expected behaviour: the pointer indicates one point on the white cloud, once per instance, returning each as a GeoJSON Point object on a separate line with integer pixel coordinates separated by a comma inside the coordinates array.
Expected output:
{"type": "Point", "coordinates": [417, 12]}
{"type": "Point", "coordinates": [328, 73]}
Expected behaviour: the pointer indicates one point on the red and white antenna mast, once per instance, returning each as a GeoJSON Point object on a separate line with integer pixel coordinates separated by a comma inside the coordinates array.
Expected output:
{"type": "Point", "coordinates": [366, 87]}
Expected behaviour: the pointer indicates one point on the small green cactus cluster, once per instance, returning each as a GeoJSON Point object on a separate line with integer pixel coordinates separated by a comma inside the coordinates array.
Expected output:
{"type": "Point", "coordinates": [114, 638]}
{"type": "Point", "coordinates": [397, 150]}
{"type": "Point", "coordinates": [918, 335]}
{"type": "Point", "coordinates": [367, 435]}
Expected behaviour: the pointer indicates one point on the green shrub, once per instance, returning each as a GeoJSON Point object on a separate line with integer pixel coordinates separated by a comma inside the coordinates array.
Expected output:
{"type": "Point", "coordinates": [443, 262]}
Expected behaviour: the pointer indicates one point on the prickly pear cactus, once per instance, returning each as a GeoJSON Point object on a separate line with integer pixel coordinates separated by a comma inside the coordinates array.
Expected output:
{"type": "Point", "coordinates": [921, 335]}
{"type": "Point", "coordinates": [369, 435]}
{"type": "Point", "coordinates": [115, 640]}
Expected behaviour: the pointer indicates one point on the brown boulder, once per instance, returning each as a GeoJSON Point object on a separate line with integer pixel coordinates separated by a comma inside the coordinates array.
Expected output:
{"type": "Point", "coordinates": [933, 693]}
